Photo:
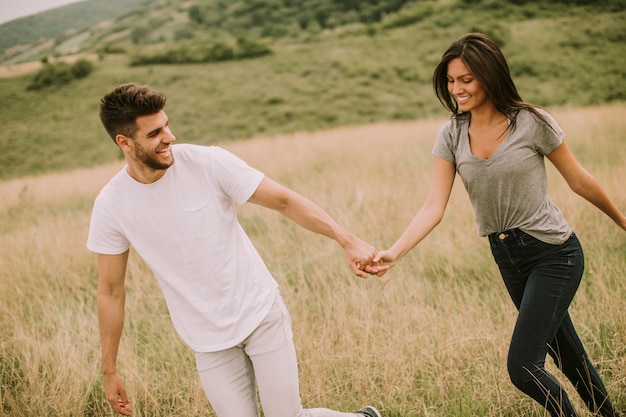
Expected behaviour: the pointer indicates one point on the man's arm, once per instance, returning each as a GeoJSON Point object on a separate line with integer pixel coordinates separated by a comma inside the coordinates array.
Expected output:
{"type": "Point", "coordinates": [312, 217]}
{"type": "Point", "coordinates": [111, 300]}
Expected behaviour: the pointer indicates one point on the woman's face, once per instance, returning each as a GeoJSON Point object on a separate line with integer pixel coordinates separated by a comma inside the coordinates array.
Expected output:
{"type": "Point", "coordinates": [464, 87]}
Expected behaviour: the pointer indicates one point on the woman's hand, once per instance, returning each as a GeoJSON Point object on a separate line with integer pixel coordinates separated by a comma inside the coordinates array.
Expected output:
{"type": "Point", "coordinates": [385, 259]}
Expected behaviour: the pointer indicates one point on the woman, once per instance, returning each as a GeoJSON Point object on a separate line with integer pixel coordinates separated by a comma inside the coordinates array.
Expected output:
{"type": "Point", "coordinates": [497, 143]}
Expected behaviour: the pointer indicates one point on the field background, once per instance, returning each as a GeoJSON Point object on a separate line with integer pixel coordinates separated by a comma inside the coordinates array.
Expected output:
{"type": "Point", "coordinates": [428, 339]}
{"type": "Point", "coordinates": [341, 110]}
{"type": "Point", "coordinates": [561, 54]}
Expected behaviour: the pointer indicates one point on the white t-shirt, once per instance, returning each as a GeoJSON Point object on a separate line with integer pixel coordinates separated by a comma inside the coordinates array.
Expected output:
{"type": "Point", "coordinates": [185, 227]}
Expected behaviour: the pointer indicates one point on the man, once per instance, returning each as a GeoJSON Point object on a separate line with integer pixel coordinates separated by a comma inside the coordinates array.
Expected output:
{"type": "Point", "coordinates": [180, 217]}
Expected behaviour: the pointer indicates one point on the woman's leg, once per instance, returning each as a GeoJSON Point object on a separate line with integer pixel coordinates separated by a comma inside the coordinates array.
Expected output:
{"type": "Point", "coordinates": [570, 356]}
{"type": "Point", "coordinates": [542, 280]}
{"type": "Point", "coordinates": [541, 311]}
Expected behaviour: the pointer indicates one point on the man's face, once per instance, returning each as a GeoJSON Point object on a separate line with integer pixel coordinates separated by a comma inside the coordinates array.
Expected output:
{"type": "Point", "coordinates": [151, 144]}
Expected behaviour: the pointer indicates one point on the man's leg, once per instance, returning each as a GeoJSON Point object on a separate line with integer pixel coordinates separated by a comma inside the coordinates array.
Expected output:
{"type": "Point", "coordinates": [228, 380]}
{"type": "Point", "coordinates": [273, 355]}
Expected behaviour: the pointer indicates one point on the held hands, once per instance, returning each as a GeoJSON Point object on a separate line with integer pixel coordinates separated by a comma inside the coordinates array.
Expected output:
{"type": "Point", "coordinates": [116, 394]}
{"type": "Point", "coordinates": [364, 259]}
{"type": "Point", "coordinates": [360, 256]}
{"type": "Point", "coordinates": [385, 259]}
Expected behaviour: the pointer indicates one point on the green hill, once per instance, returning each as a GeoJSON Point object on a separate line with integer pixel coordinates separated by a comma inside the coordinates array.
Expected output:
{"type": "Point", "coordinates": [324, 64]}
{"type": "Point", "coordinates": [60, 22]}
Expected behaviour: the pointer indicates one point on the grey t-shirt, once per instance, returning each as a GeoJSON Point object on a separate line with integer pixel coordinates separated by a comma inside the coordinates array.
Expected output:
{"type": "Point", "coordinates": [509, 189]}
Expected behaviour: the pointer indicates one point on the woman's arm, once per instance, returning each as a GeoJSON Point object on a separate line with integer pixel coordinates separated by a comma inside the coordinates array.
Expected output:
{"type": "Point", "coordinates": [584, 184]}
{"type": "Point", "coordinates": [427, 217]}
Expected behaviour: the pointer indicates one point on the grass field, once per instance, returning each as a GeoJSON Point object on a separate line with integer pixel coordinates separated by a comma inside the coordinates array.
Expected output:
{"type": "Point", "coordinates": [428, 339]}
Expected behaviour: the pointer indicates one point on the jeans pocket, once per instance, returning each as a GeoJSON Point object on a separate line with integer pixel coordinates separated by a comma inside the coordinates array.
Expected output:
{"type": "Point", "coordinates": [532, 242]}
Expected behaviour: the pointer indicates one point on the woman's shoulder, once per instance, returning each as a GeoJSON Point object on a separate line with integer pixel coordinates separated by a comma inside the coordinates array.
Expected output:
{"type": "Point", "coordinates": [542, 126]}
{"type": "Point", "coordinates": [456, 123]}
{"type": "Point", "coordinates": [541, 117]}
{"type": "Point", "coordinates": [535, 114]}
{"type": "Point", "coordinates": [449, 136]}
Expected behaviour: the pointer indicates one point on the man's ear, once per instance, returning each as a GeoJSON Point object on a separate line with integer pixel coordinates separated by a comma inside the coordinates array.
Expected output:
{"type": "Point", "coordinates": [122, 141]}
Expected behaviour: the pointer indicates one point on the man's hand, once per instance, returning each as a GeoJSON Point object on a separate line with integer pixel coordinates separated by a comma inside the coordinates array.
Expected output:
{"type": "Point", "coordinates": [116, 394]}
{"type": "Point", "coordinates": [312, 217]}
{"type": "Point", "coordinates": [361, 256]}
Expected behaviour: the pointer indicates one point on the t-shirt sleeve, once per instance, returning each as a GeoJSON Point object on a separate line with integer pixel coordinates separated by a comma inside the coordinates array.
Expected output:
{"type": "Point", "coordinates": [105, 236]}
{"type": "Point", "coordinates": [236, 177]}
{"type": "Point", "coordinates": [444, 144]}
{"type": "Point", "coordinates": [548, 138]}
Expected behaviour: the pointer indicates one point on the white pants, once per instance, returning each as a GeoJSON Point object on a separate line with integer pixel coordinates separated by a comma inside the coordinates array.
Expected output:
{"type": "Point", "coordinates": [267, 358]}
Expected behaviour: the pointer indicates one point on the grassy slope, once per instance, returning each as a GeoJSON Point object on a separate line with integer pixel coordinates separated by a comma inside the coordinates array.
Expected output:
{"type": "Point", "coordinates": [57, 22]}
{"type": "Point", "coordinates": [428, 340]}
{"type": "Point", "coordinates": [331, 79]}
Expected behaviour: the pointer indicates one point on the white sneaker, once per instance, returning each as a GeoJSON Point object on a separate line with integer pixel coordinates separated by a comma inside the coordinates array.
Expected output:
{"type": "Point", "coordinates": [369, 411]}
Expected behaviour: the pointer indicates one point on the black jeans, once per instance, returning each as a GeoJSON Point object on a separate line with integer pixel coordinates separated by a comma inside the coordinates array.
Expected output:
{"type": "Point", "coordinates": [542, 280]}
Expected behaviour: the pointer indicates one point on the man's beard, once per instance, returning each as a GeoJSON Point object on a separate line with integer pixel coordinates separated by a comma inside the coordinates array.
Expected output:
{"type": "Point", "coordinates": [149, 160]}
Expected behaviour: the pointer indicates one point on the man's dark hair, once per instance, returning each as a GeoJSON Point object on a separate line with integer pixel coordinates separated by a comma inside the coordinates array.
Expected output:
{"type": "Point", "coordinates": [120, 108]}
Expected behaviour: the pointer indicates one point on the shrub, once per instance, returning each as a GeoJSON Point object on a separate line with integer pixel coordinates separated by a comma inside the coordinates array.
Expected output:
{"type": "Point", "coordinates": [409, 16]}
{"type": "Point", "coordinates": [196, 14]}
{"type": "Point", "coordinates": [52, 74]}
{"type": "Point", "coordinates": [138, 34]}
{"type": "Point", "coordinates": [60, 73]}
{"type": "Point", "coordinates": [111, 49]}
{"type": "Point", "coordinates": [218, 52]}
{"type": "Point", "coordinates": [200, 52]}
{"type": "Point", "coordinates": [81, 68]}
{"type": "Point", "coordinates": [248, 48]}
{"type": "Point", "coordinates": [183, 33]}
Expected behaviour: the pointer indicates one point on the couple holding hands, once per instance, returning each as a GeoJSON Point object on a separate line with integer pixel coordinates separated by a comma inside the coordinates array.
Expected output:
{"type": "Point", "coordinates": [176, 205]}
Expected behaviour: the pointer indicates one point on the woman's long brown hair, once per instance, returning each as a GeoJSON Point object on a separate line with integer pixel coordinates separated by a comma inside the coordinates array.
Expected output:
{"type": "Point", "coordinates": [489, 66]}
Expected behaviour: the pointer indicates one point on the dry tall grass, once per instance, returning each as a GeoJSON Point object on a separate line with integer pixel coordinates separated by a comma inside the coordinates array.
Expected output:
{"type": "Point", "coordinates": [428, 339]}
